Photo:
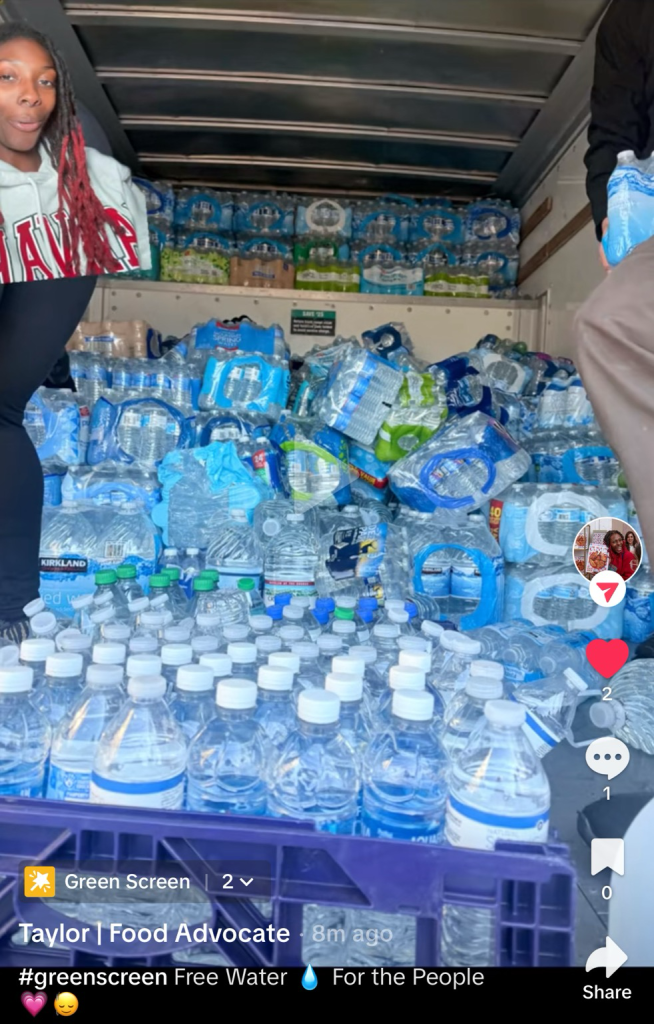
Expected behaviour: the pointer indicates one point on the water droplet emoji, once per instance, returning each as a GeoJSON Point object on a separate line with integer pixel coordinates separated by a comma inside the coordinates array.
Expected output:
{"type": "Point", "coordinates": [309, 980]}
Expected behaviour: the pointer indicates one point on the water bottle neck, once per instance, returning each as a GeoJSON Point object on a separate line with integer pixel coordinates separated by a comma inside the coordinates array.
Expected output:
{"type": "Point", "coordinates": [313, 731]}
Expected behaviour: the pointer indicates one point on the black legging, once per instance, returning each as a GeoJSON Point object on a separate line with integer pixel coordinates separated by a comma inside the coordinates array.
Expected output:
{"type": "Point", "coordinates": [36, 321]}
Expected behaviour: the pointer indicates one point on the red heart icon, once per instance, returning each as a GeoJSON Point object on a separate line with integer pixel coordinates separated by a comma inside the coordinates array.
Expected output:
{"type": "Point", "coordinates": [607, 656]}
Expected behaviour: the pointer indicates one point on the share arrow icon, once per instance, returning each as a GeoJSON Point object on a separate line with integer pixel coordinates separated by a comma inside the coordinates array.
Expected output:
{"type": "Point", "coordinates": [608, 589]}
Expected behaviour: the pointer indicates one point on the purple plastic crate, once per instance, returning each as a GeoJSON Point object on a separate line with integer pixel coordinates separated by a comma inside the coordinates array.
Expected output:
{"type": "Point", "coordinates": [531, 888]}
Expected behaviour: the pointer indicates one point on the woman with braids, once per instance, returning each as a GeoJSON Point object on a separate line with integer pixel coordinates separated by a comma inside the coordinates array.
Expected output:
{"type": "Point", "coordinates": [67, 214]}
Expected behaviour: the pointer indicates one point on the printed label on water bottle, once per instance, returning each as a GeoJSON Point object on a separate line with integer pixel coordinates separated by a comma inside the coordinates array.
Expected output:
{"type": "Point", "coordinates": [481, 830]}
{"type": "Point", "coordinates": [165, 794]}
{"type": "Point", "coordinates": [229, 577]}
{"type": "Point", "coordinates": [541, 738]}
{"type": "Point", "coordinates": [429, 834]}
{"type": "Point", "coordinates": [64, 784]}
{"type": "Point", "coordinates": [297, 588]}
{"type": "Point", "coordinates": [495, 517]}
{"type": "Point", "coordinates": [357, 552]}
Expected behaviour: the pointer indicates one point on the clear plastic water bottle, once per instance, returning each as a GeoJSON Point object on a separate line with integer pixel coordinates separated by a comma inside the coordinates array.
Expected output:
{"type": "Point", "coordinates": [34, 653]}
{"type": "Point", "coordinates": [355, 723]}
{"type": "Point", "coordinates": [60, 687]}
{"type": "Point", "coordinates": [228, 758]}
{"type": "Point", "coordinates": [204, 643]}
{"type": "Point", "coordinates": [193, 702]}
{"type": "Point", "coordinates": [329, 646]}
{"type": "Point", "coordinates": [179, 634]}
{"type": "Point", "coordinates": [192, 566]}
{"type": "Point", "coordinates": [260, 625]}
{"type": "Point", "coordinates": [44, 625]}
{"type": "Point", "coordinates": [291, 560]}
{"type": "Point", "coordinates": [309, 673]}
{"type": "Point", "coordinates": [178, 600]}
{"type": "Point", "coordinates": [220, 664]}
{"type": "Point", "coordinates": [143, 665]}
{"type": "Point", "coordinates": [143, 644]}
{"type": "Point", "coordinates": [466, 708]}
{"type": "Point", "coordinates": [293, 616]}
{"type": "Point", "coordinates": [346, 631]}
{"type": "Point", "coordinates": [173, 656]}
{"type": "Point", "coordinates": [405, 786]}
{"type": "Point", "coordinates": [141, 757]}
{"type": "Point", "coordinates": [286, 660]}
{"type": "Point", "coordinates": [108, 592]}
{"type": "Point", "coordinates": [629, 714]}
{"type": "Point", "coordinates": [117, 632]}
{"type": "Point", "coordinates": [256, 604]}
{"type": "Point", "coordinates": [266, 645]}
{"type": "Point", "coordinates": [498, 791]}
{"type": "Point", "coordinates": [451, 663]}
{"type": "Point", "coordinates": [275, 710]}
{"type": "Point", "coordinates": [315, 776]}
{"type": "Point", "coordinates": [136, 609]}
{"type": "Point", "coordinates": [24, 736]}
{"type": "Point", "coordinates": [291, 635]}
{"type": "Point", "coordinates": [76, 738]}
{"type": "Point", "coordinates": [244, 658]}
{"type": "Point", "coordinates": [551, 707]}
{"type": "Point", "coordinates": [128, 583]}
{"type": "Point", "coordinates": [400, 677]}
{"type": "Point", "coordinates": [374, 684]}
{"type": "Point", "coordinates": [171, 559]}
{"type": "Point", "coordinates": [82, 607]}
{"type": "Point", "coordinates": [384, 639]}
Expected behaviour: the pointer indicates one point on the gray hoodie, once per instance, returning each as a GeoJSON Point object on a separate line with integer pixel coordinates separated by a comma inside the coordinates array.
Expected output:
{"type": "Point", "coordinates": [30, 234]}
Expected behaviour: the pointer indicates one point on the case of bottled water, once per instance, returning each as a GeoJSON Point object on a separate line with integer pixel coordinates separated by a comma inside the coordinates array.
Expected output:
{"type": "Point", "coordinates": [137, 430]}
{"type": "Point", "coordinates": [58, 423]}
{"type": "Point", "coordinates": [357, 395]}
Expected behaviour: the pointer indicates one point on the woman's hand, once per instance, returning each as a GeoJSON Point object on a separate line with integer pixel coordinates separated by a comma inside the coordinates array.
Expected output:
{"type": "Point", "coordinates": [603, 259]}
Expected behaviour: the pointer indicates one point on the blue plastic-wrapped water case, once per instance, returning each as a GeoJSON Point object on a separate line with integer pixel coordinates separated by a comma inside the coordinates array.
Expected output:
{"type": "Point", "coordinates": [251, 383]}
{"type": "Point", "coordinates": [133, 418]}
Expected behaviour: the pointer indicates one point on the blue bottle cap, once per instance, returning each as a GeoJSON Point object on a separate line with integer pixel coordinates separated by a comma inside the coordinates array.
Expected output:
{"type": "Point", "coordinates": [275, 612]}
{"type": "Point", "coordinates": [282, 599]}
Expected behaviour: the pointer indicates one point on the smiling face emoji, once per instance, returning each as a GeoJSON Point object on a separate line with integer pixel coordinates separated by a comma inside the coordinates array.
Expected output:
{"type": "Point", "coordinates": [66, 1004]}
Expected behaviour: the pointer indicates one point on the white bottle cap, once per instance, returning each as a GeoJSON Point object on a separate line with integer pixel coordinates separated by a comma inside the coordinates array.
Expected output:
{"type": "Point", "coordinates": [143, 665]}
{"type": "Point", "coordinates": [413, 705]}
{"type": "Point", "coordinates": [318, 707]}
{"type": "Point", "coordinates": [400, 617]}
{"type": "Point", "coordinates": [266, 645]}
{"type": "Point", "coordinates": [432, 630]}
{"type": "Point", "coordinates": [38, 605]}
{"type": "Point", "coordinates": [139, 604]}
{"type": "Point", "coordinates": [103, 599]}
{"type": "Point", "coordinates": [177, 635]}
{"type": "Point", "coordinates": [235, 633]}
{"type": "Point", "coordinates": [204, 644]}
{"type": "Point", "coordinates": [109, 653]}
{"type": "Point", "coordinates": [260, 623]}
{"type": "Point", "coordinates": [206, 620]}
{"type": "Point", "coordinates": [386, 630]}
{"type": "Point", "coordinates": [349, 665]}
{"type": "Point", "coordinates": [160, 603]}
{"type": "Point", "coordinates": [402, 677]}
{"type": "Point", "coordinates": [77, 603]}
{"type": "Point", "coordinates": [36, 649]}
{"type": "Point", "coordinates": [306, 650]}
{"type": "Point", "coordinates": [300, 602]}
{"type": "Point", "coordinates": [346, 602]}
{"type": "Point", "coordinates": [105, 675]}
{"type": "Point", "coordinates": [295, 517]}
{"type": "Point", "coordinates": [505, 712]}
{"type": "Point", "coordinates": [273, 677]}
{"type": "Point", "coordinates": [42, 623]}
{"type": "Point", "coordinates": [242, 653]}
{"type": "Point", "coordinates": [395, 603]}
{"type": "Point", "coordinates": [194, 678]}
{"type": "Point", "coordinates": [236, 694]}
{"type": "Point", "coordinates": [8, 656]}
{"type": "Point", "coordinates": [608, 714]}
{"type": "Point", "coordinates": [343, 627]}
{"type": "Point", "coordinates": [329, 644]}
{"type": "Point", "coordinates": [119, 631]}
{"type": "Point", "coordinates": [152, 620]}
{"type": "Point", "coordinates": [291, 634]}
{"type": "Point", "coordinates": [487, 670]}
{"type": "Point", "coordinates": [347, 687]}
{"type": "Point", "coordinates": [460, 644]}
{"type": "Point", "coordinates": [147, 687]}
{"type": "Point", "coordinates": [364, 653]}
{"type": "Point", "coordinates": [64, 665]}
{"type": "Point", "coordinates": [415, 659]}
{"type": "Point", "coordinates": [176, 654]}
{"type": "Point", "coordinates": [220, 664]}
{"type": "Point", "coordinates": [143, 645]}
{"type": "Point", "coordinates": [414, 643]}
{"type": "Point", "coordinates": [292, 613]}
{"type": "Point", "coordinates": [72, 640]}
{"type": "Point", "coordinates": [284, 659]}
{"type": "Point", "coordinates": [576, 680]}
{"type": "Point", "coordinates": [16, 679]}
{"type": "Point", "coordinates": [484, 687]}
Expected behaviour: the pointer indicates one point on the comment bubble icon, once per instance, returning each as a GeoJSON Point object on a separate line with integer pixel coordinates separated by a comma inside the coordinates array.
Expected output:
{"type": "Point", "coordinates": [607, 756]}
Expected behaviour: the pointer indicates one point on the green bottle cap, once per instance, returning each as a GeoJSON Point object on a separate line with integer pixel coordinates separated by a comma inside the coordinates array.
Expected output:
{"type": "Point", "coordinates": [245, 584]}
{"type": "Point", "coordinates": [159, 581]}
{"type": "Point", "coordinates": [126, 572]}
{"type": "Point", "coordinates": [203, 584]}
{"type": "Point", "coordinates": [210, 574]}
{"type": "Point", "coordinates": [105, 577]}
{"type": "Point", "coordinates": [344, 613]}
{"type": "Point", "coordinates": [173, 572]}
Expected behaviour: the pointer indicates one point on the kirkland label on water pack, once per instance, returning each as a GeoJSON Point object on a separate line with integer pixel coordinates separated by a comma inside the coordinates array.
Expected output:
{"type": "Point", "coordinates": [481, 830]}
{"type": "Point", "coordinates": [314, 322]}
